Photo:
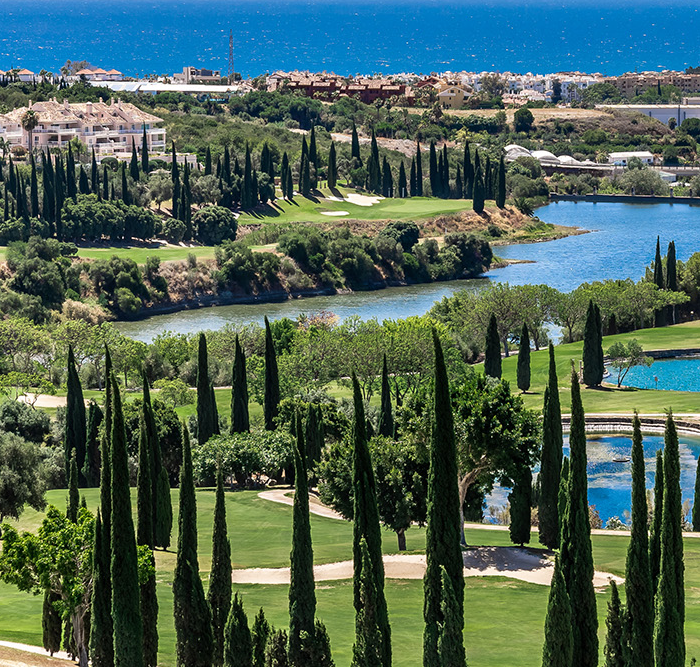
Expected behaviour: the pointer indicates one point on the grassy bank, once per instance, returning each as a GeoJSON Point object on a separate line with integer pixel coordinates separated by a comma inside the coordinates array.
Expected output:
{"type": "Point", "coordinates": [610, 398]}
{"type": "Point", "coordinates": [504, 618]}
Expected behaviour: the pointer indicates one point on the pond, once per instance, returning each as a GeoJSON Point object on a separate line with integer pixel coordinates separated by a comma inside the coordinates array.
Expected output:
{"type": "Point", "coordinates": [620, 244]}
{"type": "Point", "coordinates": [676, 374]}
{"type": "Point", "coordinates": [610, 484]}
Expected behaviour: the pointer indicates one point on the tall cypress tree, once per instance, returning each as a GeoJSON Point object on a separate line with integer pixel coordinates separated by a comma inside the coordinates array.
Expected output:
{"type": "Point", "coordinates": [76, 428]}
{"type": "Point", "coordinates": [207, 423]}
{"type": "Point", "coordinates": [260, 635]}
{"type": "Point", "coordinates": [402, 185]}
{"type": "Point", "coordinates": [669, 637]}
{"type": "Point", "coordinates": [616, 649]}
{"type": "Point", "coordinates": [101, 629]}
{"type": "Point", "coordinates": [523, 373]}
{"type": "Point", "coordinates": [34, 190]}
{"type": "Point", "coordinates": [73, 493]}
{"type": "Point", "coordinates": [302, 596]}
{"type": "Point", "coordinates": [478, 195]}
{"type": "Point", "coordinates": [366, 524]}
{"type": "Point", "coordinates": [492, 352]}
{"type": "Point", "coordinates": [240, 421]}
{"type": "Point", "coordinates": [126, 195]}
{"type": "Point", "coordinates": [134, 164]}
{"type": "Point", "coordinates": [386, 417]}
{"type": "Point", "coordinates": [161, 501]}
{"type": "Point", "coordinates": [126, 612]}
{"type": "Point", "coordinates": [355, 145]}
{"type": "Point", "coordinates": [695, 516]}
{"type": "Point", "coordinates": [238, 651]}
{"type": "Point", "coordinates": [468, 172]}
{"type": "Point", "coordinates": [419, 171]}
{"type": "Point", "coordinates": [638, 583]}
{"type": "Point", "coordinates": [276, 650]}
{"type": "Point", "coordinates": [576, 551]}
{"type": "Point", "coordinates": [551, 460]}
{"type": "Point", "coordinates": [51, 623]}
{"type": "Point", "coordinates": [219, 595]}
{"type": "Point", "coordinates": [367, 649]}
{"type": "Point", "coordinates": [593, 368]}
{"type": "Point", "coordinates": [144, 491]}
{"type": "Point", "coordinates": [91, 468]}
{"type": "Point", "coordinates": [450, 645]}
{"type": "Point", "coordinates": [332, 172]}
{"type": "Point", "coordinates": [145, 167]}
{"type": "Point", "coordinates": [315, 435]}
{"type": "Point", "coordinates": [501, 184]}
{"type": "Point", "coordinates": [434, 175]}
{"type": "Point", "coordinates": [442, 548]}
{"type": "Point", "coordinates": [520, 499]}
{"type": "Point", "coordinates": [272, 380]}
{"type": "Point", "coordinates": [149, 614]}
{"type": "Point", "coordinates": [558, 636]}
{"type": "Point", "coordinates": [195, 641]}
{"type": "Point", "coordinates": [563, 489]}
{"type": "Point", "coordinates": [655, 537]}
{"type": "Point", "coordinates": [94, 175]}
{"type": "Point", "coordinates": [459, 183]}
{"type": "Point", "coordinates": [660, 282]}
{"type": "Point", "coordinates": [671, 280]}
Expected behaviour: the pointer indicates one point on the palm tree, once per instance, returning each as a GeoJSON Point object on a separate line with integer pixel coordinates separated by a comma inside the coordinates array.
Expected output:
{"type": "Point", "coordinates": [29, 121]}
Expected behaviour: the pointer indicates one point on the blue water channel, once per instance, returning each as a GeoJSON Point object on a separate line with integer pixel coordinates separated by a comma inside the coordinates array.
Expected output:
{"type": "Point", "coordinates": [610, 483]}
{"type": "Point", "coordinates": [677, 374]}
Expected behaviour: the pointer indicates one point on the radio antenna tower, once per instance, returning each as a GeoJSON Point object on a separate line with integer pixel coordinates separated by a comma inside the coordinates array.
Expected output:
{"type": "Point", "coordinates": [230, 57]}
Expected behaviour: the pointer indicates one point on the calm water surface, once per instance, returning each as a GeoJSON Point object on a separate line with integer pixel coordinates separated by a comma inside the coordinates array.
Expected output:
{"type": "Point", "coordinates": [680, 374]}
{"type": "Point", "coordinates": [620, 244]}
{"type": "Point", "coordinates": [609, 484]}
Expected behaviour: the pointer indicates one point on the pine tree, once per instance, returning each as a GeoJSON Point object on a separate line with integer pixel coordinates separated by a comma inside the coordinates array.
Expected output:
{"type": "Point", "coordinates": [238, 650]}
{"type": "Point", "coordinates": [91, 468]}
{"type": "Point", "coordinates": [195, 641]}
{"type": "Point", "coordinates": [145, 167]}
{"type": "Point", "coordinates": [520, 500]}
{"type": "Point", "coordinates": [442, 548]}
{"type": "Point", "coordinates": [51, 623]}
{"type": "Point", "coordinates": [558, 636]}
{"type": "Point", "coordinates": [660, 282]}
{"type": "Point", "coordinates": [134, 164]}
{"type": "Point", "coordinates": [616, 649]}
{"type": "Point", "coordinates": [655, 536]}
{"type": "Point", "coordinates": [219, 595]}
{"type": "Point", "coordinates": [101, 630]}
{"type": "Point", "coordinates": [523, 372]}
{"type": "Point", "coordinates": [207, 423]}
{"type": "Point", "coordinates": [332, 167]}
{"type": "Point", "coordinates": [260, 635]}
{"type": "Point", "coordinates": [671, 280]}
{"type": "Point", "coordinates": [501, 184]}
{"type": "Point", "coordinates": [638, 584]}
{"type": "Point", "coordinates": [240, 421]}
{"type": "Point", "coordinates": [272, 380]}
{"type": "Point", "coordinates": [73, 493]}
{"type": "Point", "coordinates": [669, 638]}
{"type": "Point", "coordinates": [592, 349]}
{"type": "Point", "coordinates": [551, 460]}
{"type": "Point", "coordinates": [492, 353]}
{"type": "Point", "coordinates": [450, 645]}
{"type": "Point", "coordinates": [76, 428]}
{"type": "Point", "coordinates": [367, 649]}
{"type": "Point", "coordinates": [355, 145]}
{"type": "Point", "coordinates": [386, 417]}
{"type": "Point", "coordinates": [366, 523]}
{"type": "Point", "coordinates": [144, 491]}
{"type": "Point", "coordinates": [302, 596]}
{"type": "Point", "coordinates": [149, 614]}
{"type": "Point", "coordinates": [576, 551]}
{"type": "Point", "coordinates": [419, 171]}
{"type": "Point", "coordinates": [126, 613]}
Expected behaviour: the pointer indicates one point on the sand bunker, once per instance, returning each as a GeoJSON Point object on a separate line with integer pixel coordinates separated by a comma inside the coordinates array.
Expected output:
{"type": "Point", "coordinates": [512, 562]}
{"type": "Point", "coordinates": [357, 199]}
{"type": "Point", "coordinates": [335, 213]}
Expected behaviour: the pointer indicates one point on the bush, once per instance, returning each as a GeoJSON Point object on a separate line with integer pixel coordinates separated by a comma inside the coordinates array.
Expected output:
{"type": "Point", "coordinates": [175, 392]}
{"type": "Point", "coordinates": [405, 233]}
{"type": "Point", "coordinates": [523, 120]}
{"type": "Point", "coordinates": [22, 420]}
{"type": "Point", "coordinates": [127, 302]}
{"type": "Point", "coordinates": [214, 224]}
{"type": "Point", "coordinates": [174, 230]}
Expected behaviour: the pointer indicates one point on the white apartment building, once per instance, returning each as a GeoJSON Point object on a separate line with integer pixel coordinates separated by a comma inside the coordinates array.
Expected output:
{"type": "Point", "coordinates": [108, 128]}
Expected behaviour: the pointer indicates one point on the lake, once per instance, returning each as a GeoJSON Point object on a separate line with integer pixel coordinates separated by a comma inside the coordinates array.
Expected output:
{"type": "Point", "coordinates": [678, 374]}
{"type": "Point", "coordinates": [610, 484]}
{"type": "Point", "coordinates": [620, 244]}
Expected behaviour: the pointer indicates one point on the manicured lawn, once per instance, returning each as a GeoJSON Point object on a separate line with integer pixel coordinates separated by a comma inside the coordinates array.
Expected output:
{"type": "Point", "coordinates": [504, 618]}
{"type": "Point", "coordinates": [303, 209]}
{"type": "Point", "coordinates": [609, 398]}
{"type": "Point", "coordinates": [139, 253]}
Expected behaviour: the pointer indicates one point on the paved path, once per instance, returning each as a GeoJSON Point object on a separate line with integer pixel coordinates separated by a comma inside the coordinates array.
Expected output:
{"type": "Point", "coordinates": [36, 650]}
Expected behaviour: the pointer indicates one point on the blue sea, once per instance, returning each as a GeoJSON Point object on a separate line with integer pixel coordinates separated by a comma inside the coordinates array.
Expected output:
{"type": "Point", "coordinates": [161, 36]}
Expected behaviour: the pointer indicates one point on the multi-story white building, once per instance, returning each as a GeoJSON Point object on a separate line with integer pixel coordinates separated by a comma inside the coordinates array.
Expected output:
{"type": "Point", "coordinates": [108, 128]}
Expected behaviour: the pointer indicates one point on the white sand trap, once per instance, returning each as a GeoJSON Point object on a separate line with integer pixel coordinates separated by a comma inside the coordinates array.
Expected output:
{"type": "Point", "coordinates": [335, 214]}
{"type": "Point", "coordinates": [44, 400]}
{"type": "Point", "coordinates": [511, 562]}
{"type": "Point", "coordinates": [357, 199]}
